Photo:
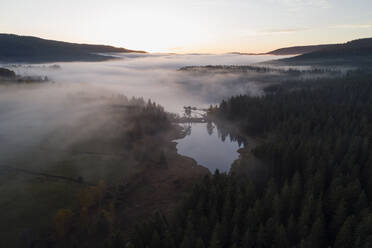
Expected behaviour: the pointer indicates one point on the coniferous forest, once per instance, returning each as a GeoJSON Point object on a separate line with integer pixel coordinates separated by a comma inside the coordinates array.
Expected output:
{"type": "Point", "coordinates": [186, 124]}
{"type": "Point", "coordinates": [317, 137]}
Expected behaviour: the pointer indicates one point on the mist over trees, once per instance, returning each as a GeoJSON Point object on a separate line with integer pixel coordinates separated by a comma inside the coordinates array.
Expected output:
{"type": "Point", "coordinates": [95, 219]}
{"type": "Point", "coordinates": [318, 148]}
{"type": "Point", "coordinates": [314, 128]}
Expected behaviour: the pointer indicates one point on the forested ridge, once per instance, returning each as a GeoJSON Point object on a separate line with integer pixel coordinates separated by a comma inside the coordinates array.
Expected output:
{"type": "Point", "coordinates": [355, 52]}
{"type": "Point", "coordinates": [317, 145]}
{"type": "Point", "coordinates": [17, 48]}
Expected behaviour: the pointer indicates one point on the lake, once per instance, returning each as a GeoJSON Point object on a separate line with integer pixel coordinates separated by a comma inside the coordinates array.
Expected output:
{"type": "Point", "coordinates": [207, 147]}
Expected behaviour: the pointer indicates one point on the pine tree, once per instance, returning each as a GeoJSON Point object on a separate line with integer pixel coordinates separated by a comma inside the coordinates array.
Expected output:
{"type": "Point", "coordinates": [261, 240]}
{"type": "Point", "coordinates": [317, 233]}
{"type": "Point", "coordinates": [292, 230]}
{"type": "Point", "coordinates": [281, 240]}
{"type": "Point", "coordinates": [235, 236]}
{"type": "Point", "coordinates": [338, 218]}
{"type": "Point", "coordinates": [215, 241]}
{"type": "Point", "coordinates": [363, 230]}
{"type": "Point", "coordinates": [187, 242]}
{"type": "Point", "coordinates": [199, 243]}
{"type": "Point", "coordinates": [345, 236]}
{"type": "Point", "coordinates": [248, 239]}
{"type": "Point", "coordinates": [303, 221]}
{"type": "Point", "coordinates": [189, 236]}
{"type": "Point", "coordinates": [163, 160]}
{"type": "Point", "coordinates": [296, 193]}
{"type": "Point", "coordinates": [155, 240]}
{"type": "Point", "coordinates": [234, 246]}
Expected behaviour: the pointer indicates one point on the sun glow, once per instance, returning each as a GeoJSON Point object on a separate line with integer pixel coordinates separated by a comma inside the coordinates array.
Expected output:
{"type": "Point", "coordinates": [189, 26]}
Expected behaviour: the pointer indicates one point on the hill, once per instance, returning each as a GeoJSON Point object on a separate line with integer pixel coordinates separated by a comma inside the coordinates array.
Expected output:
{"type": "Point", "coordinates": [15, 48]}
{"type": "Point", "coordinates": [301, 49]}
{"type": "Point", "coordinates": [356, 52]}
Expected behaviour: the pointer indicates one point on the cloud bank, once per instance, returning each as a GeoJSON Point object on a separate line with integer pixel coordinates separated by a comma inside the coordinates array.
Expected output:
{"type": "Point", "coordinates": [55, 116]}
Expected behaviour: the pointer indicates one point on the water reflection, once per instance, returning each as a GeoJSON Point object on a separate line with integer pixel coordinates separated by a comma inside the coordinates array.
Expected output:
{"type": "Point", "coordinates": [210, 128]}
{"type": "Point", "coordinates": [209, 146]}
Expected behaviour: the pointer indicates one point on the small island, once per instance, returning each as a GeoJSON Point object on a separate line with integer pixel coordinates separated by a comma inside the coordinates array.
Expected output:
{"type": "Point", "coordinates": [9, 76]}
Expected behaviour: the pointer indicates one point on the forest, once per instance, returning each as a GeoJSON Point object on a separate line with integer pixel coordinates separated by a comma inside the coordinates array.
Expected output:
{"type": "Point", "coordinates": [107, 211]}
{"type": "Point", "coordinates": [316, 144]}
{"type": "Point", "coordinates": [186, 124]}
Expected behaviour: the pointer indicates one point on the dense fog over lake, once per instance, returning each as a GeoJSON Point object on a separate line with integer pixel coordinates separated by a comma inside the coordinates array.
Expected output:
{"type": "Point", "coordinates": [67, 110]}
{"type": "Point", "coordinates": [154, 76]}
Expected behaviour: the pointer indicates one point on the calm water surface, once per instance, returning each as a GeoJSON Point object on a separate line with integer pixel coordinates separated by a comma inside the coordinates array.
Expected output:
{"type": "Point", "coordinates": [206, 146]}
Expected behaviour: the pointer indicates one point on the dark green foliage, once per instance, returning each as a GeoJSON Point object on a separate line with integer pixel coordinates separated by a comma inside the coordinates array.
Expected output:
{"type": "Point", "coordinates": [345, 236]}
{"type": "Point", "coordinates": [148, 119]}
{"type": "Point", "coordinates": [256, 69]}
{"type": "Point", "coordinates": [6, 73]}
{"type": "Point", "coordinates": [318, 148]}
{"type": "Point", "coordinates": [163, 160]}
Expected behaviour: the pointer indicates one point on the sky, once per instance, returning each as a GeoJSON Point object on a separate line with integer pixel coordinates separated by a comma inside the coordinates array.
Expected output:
{"type": "Point", "coordinates": [190, 26]}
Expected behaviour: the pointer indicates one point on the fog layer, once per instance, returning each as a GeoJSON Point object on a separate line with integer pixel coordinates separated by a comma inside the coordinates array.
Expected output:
{"type": "Point", "coordinates": [154, 76]}
{"type": "Point", "coordinates": [55, 115]}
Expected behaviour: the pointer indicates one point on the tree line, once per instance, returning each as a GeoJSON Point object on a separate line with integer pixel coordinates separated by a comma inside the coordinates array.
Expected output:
{"type": "Point", "coordinates": [318, 148]}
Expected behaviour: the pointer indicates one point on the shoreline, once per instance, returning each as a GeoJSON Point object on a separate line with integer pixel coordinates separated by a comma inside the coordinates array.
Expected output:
{"type": "Point", "coordinates": [156, 187]}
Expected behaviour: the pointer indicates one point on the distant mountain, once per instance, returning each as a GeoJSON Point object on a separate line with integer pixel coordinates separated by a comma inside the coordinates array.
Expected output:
{"type": "Point", "coordinates": [241, 53]}
{"type": "Point", "coordinates": [356, 52]}
{"type": "Point", "coordinates": [295, 50]}
{"type": "Point", "coordinates": [15, 48]}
